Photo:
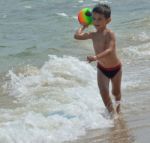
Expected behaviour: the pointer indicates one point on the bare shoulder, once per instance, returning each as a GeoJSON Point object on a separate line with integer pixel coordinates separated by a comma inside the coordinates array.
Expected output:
{"type": "Point", "coordinates": [110, 35]}
{"type": "Point", "coordinates": [110, 39]}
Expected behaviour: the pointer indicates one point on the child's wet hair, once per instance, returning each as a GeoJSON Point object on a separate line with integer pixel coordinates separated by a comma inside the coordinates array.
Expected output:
{"type": "Point", "coordinates": [103, 9]}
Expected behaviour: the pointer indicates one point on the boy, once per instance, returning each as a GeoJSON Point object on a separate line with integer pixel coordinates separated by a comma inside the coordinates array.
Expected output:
{"type": "Point", "coordinates": [108, 64]}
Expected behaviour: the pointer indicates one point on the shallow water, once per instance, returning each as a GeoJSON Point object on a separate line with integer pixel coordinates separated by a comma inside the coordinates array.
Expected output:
{"type": "Point", "coordinates": [48, 92]}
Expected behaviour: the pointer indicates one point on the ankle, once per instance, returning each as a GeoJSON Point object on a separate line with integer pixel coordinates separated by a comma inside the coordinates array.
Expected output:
{"type": "Point", "coordinates": [117, 106]}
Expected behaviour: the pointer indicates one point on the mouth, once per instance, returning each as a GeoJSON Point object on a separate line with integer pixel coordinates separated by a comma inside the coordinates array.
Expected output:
{"type": "Point", "coordinates": [96, 26]}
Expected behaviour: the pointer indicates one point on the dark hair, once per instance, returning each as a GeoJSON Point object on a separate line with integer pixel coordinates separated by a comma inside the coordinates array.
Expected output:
{"type": "Point", "coordinates": [102, 9]}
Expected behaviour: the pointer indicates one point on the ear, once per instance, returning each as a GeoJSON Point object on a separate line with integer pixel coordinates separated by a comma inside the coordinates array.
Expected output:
{"type": "Point", "coordinates": [108, 20]}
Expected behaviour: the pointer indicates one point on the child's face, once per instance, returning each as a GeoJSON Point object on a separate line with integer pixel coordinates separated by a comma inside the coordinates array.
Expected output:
{"type": "Point", "coordinates": [99, 21]}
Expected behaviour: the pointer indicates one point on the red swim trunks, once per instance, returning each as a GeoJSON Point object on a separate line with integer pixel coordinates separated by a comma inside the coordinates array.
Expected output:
{"type": "Point", "coordinates": [109, 72]}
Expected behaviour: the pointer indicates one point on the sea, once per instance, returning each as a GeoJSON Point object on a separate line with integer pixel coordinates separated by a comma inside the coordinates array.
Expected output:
{"type": "Point", "coordinates": [48, 91]}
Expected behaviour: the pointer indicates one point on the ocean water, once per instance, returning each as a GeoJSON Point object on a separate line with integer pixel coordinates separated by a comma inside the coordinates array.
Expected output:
{"type": "Point", "coordinates": [48, 92]}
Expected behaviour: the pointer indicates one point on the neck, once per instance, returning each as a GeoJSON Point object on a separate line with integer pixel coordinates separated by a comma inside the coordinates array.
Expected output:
{"type": "Point", "coordinates": [101, 29]}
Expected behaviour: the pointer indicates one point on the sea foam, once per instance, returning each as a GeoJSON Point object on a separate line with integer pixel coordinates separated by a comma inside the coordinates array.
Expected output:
{"type": "Point", "coordinates": [57, 102]}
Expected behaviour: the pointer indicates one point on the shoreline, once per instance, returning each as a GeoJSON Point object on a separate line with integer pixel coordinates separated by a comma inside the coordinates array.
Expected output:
{"type": "Point", "coordinates": [120, 133]}
{"type": "Point", "coordinates": [131, 129]}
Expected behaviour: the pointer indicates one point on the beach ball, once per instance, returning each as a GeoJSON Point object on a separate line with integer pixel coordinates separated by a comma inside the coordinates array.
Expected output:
{"type": "Point", "coordinates": [85, 16]}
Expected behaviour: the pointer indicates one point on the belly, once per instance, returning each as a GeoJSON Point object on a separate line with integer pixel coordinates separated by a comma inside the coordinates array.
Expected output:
{"type": "Point", "coordinates": [109, 61]}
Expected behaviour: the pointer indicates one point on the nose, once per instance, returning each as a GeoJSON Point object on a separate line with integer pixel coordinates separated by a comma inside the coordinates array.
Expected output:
{"type": "Point", "coordinates": [95, 22]}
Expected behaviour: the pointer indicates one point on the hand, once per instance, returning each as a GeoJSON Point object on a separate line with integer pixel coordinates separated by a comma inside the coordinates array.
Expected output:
{"type": "Point", "coordinates": [84, 26]}
{"type": "Point", "coordinates": [91, 58]}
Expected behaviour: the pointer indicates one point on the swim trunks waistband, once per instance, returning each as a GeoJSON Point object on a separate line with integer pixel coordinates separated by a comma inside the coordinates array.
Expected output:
{"type": "Point", "coordinates": [118, 66]}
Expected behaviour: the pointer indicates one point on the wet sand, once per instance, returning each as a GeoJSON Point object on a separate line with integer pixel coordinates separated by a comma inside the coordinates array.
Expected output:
{"type": "Point", "coordinates": [120, 133]}
{"type": "Point", "coordinates": [127, 129]}
{"type": "Point", "coordinates": [133, 126]}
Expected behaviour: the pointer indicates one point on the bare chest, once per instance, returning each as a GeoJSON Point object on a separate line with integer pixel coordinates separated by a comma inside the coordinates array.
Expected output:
{"type": "Point", "coordinates": [99, 43]}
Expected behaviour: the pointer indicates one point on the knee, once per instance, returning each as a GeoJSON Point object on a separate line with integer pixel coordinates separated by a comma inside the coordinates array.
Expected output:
{"type": "Point", "coordinates": [117, 94]}
{"type": "Point", "coordinates": [104, 92]}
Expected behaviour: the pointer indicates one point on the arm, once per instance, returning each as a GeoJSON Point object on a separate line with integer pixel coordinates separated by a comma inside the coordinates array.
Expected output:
{"type": "Point", "coordinates": [80, 35]}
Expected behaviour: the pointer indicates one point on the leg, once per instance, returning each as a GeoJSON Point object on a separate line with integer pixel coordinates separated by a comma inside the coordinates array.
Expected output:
{"type": "Point", "coordinates": [103, 84]}
{"type": "Point", "coordinates": [116, 89]}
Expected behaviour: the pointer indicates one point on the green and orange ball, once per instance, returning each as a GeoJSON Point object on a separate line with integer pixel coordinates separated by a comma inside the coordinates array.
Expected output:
{"type": "Point", "coordinates": [85, 16]}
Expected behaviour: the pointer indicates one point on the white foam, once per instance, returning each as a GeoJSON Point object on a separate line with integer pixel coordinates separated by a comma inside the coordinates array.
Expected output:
{"type": "Point", "coordinates": [101, 1]}
{"type": "Point", "coordinates": [81, 1]}
{"type": "Point", "coordinates": [75, 17]}
{"type": "Point", "coordinates": [62, 14]}
{"type": "Point", "coordinates": [59, 102]}
{"type": "Point", "coordinates": [142, 36]}
{"type": "Point", "coordinates": [28, 6]}
{"type": "Point", "coordinates": [4, 16]}
{"type": "Point", "coordinates": [129, 84]}
{"type": "Point", "coordinates": [140, 51]}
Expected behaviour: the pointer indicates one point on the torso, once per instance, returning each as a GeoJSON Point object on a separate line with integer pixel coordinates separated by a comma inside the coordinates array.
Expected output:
{"type": "Point", "coordinates": [99, 43]}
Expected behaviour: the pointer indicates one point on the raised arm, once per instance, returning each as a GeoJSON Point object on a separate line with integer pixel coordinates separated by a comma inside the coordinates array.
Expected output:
{"type": "Point", "coordinates": [80, 35]}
